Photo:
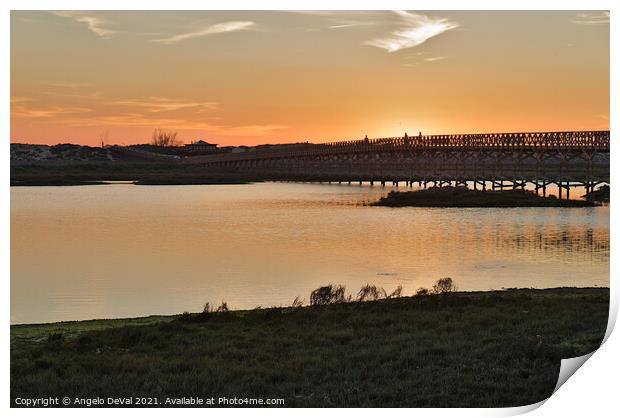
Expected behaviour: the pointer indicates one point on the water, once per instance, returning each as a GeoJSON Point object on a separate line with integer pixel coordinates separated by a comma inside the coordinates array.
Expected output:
{"type": "Point", "coordinates": [121, 250]}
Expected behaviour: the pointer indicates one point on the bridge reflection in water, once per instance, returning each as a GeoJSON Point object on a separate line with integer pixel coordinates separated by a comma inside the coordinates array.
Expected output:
{"type": "Point", "coordinates": [502, 160]}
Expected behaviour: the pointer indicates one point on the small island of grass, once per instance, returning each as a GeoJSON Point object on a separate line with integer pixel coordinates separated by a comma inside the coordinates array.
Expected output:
{"type": "Point", "coordinates": [600, 195]}
{"type": "Point", "coordinates": [462, 197]}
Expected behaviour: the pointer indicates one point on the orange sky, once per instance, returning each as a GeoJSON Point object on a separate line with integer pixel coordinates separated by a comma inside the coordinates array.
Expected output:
{"type": "Point", "coordinates": [265, 77]}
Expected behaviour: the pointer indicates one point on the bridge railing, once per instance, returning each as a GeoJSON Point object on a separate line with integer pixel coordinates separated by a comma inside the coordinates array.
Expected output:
{"type": "Point", "coordinates": [582, 140]}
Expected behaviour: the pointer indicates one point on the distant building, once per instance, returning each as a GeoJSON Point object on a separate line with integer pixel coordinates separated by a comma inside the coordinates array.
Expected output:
{"type": "Point", "coordinates": [201, 146]}
{"type": "Point", "coordinates": [240, 148]}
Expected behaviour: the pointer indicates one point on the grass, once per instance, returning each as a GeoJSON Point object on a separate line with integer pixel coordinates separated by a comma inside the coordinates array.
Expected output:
{"type": "Point", "coordinates": [457, 349]}
{"type": "Point", "coordinates": [461, 197]}
{"type": "Point", "coordinates": [139, 173]}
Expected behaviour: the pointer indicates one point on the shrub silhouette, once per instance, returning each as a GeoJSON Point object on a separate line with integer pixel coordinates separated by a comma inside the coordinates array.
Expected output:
{"type": "Point", "coordinates": [222, 308]}
{"type": "Point", "coordinates": [369, 292]}
{"type": "Point", "coordinates": [443, 286]}
{"type": "Point", "coordinates": [422, 291]}
{"type": "Point", "coordinates": [326, 295]}
{"type": "Point", "coordinates": [396, 293]}
{"type": "Point", "coordinates": [298, 302]}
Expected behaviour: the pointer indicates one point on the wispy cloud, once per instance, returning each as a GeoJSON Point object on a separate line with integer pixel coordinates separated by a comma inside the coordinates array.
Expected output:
{"type": "Point", "coordinates": [211, 30]}
{"type": "Point", "coordinates": [20, 110]}
{"type": "Point", "coordinates": [68, 85]}
{"type": "Point", "coordinates": [145, 121]}
{"type": "Point", "coordinates": [95, 24]}
{"type": "Point", "coordinates": [415, 30]}
{"type": "Point", "coordinates": [139, 113]}
{"type": "Point", "coordinates": [591, 18]}
{"type": "Point", "coordinates": [20, 99]}
{"type": "Point", "coordinates": [347, 25]}
{"type": "Point", "coordinates": [431, 59]}
{"type": "Point", "coordinates": [123, 120]}
{"type": "Point", "coordinates": [163, 104]}
{"type": "Point", "coordinates": [351, 23]}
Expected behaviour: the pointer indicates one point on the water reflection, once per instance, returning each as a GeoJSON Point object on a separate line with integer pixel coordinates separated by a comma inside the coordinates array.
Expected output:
{"type": "Point", "coordinates": [124, 250]}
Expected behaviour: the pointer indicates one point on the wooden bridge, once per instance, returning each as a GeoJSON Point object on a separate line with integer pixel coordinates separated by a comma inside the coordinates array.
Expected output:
{"type": "Point", "coordinates": [502, 160]}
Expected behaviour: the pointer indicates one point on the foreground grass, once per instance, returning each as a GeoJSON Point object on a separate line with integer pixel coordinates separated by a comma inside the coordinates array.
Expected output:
{"type": "Point", "coordinates": [479, 349]}
{"type": "Point", "coordinates": [462, 197]}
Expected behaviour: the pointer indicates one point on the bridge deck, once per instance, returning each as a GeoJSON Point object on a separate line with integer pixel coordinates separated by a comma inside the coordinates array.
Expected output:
{"type": "Point", "coordinates": [560, 141]}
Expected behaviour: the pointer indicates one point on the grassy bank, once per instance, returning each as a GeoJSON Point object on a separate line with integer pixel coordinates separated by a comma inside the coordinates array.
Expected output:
{"type": "Point", "coordinates": [473, 349]}
{"type": "Point", "coordinates": [139, 173]}
{"type": "Point", "coordinates": [461, 197]}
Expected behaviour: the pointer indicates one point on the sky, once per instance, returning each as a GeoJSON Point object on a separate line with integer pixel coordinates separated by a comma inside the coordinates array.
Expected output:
{"type": "Point", "coordinates": [249, 78]}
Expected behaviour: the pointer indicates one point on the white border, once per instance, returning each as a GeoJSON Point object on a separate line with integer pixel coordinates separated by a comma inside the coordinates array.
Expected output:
{"type": "Point", "coordinates": [591, 391]}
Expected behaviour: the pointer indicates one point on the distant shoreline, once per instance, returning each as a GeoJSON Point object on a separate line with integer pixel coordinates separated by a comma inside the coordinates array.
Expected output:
{"type": "Point", "coordinates": [144, 182]}
{"type": "Point", "coordinates": [42, 183]}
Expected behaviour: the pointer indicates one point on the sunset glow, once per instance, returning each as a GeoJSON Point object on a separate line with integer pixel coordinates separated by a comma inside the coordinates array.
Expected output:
{"type": "Point", "coordinates": [265, 77]}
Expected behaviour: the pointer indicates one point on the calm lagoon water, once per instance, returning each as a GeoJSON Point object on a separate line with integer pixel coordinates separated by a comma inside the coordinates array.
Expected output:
{"type": "Point", "coordinates": [121, 250]}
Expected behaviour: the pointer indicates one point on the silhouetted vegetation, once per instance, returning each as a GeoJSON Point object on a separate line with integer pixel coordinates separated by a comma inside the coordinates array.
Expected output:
{"type": "Point", "coordinates": [222, 308]}
{"type": "Point", "coordinates": [443, 286]}
{"type": "Point", "coordinates": [472, 349]}
{"type": "Point", "coordinates": [298, 302]}
{"type": "Point", "coordinates": [398, 292]}
{"type": "Point", "coordinates": [369, 292]}
{"type": "Point", "coordinates": [422, 291]}
{"type": "Point", "coordinates": [600, 195]}
{"type": "Point", "coordinates": [326, 295]}
{"type": "Point", "coordinates": [164, 138]}
{"type": "Point", "coordinates": [462, 197]}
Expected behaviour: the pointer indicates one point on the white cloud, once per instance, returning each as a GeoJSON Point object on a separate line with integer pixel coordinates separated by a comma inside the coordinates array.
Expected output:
{"type": "Point", "coordinates": [350, 23]}
{"type": "Point", "coordinates": [591, 18]}
{"type": "Point", "coordinates": [95, 24]}
{"type": "Point", "coordinates": [347, 25]}
{"type": "Point", "coordinates": [416, 29]}
{"type": "Point", "coordinates": [211, 30]}
{"type": "Point", "coordinates": [431, 59]}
